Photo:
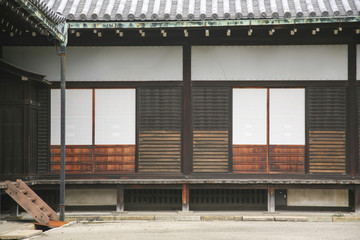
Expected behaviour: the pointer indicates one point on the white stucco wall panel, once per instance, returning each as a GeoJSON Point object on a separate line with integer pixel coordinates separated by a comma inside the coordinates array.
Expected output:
{"type": "Point", "coordinates": [324, 62]}
{"type": "Point", "coordinates": [90, 197]}
{"type": "Point", "coordinates": [101, 63]}
{"type": "Point", "coordinates": [318, 197]}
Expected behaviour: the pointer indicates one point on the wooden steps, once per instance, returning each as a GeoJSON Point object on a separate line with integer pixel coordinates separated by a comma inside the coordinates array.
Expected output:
{"type": "Point", "coordinates": [31, 202]}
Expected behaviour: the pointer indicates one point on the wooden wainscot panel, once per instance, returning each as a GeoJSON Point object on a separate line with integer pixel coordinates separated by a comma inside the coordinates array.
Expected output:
{"type": "Point", "coordinates": [78, 159]}
{"type": "Point", "coordinates": [287, 159]}
{"type": "Point", "coordinates": [249, 158]}
{"type": "Point", "coordinates": [327, 151]}
{"type": "Point", "coordinates": [119, 158]}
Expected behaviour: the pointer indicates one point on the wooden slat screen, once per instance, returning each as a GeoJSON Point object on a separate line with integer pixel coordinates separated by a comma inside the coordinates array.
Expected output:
{"type": "Point", "coordinates": [327, 130]}
{"type": "Point", "coordinates": [159, 119]}
{"type": "Point", "coordinates": [211, 127]}
{"type": "Point", "coordinates": [43, 130]}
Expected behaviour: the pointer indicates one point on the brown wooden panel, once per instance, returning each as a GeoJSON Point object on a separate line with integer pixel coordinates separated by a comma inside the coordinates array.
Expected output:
{"type": "Point", "coordinates": [88, 159]}
{"type": "Point", "coordinates": [249, 158]}
{"type": "Point", "coordinates": [210, 151]}
{"type": "Point", "coordinates": [118, 158]}
{"type": "Point", "coordinates": [287, 159]}
{"type": "Point", "coordinates": [159, 151]}
{"type": "Point", "coordinates": [78, 159]}
{"type": "Point", "coordinates": [327, 151]}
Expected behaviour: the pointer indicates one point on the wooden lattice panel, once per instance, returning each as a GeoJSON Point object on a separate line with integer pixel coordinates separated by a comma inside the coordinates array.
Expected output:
{"type": "Point", "coordinates": [249, 158]}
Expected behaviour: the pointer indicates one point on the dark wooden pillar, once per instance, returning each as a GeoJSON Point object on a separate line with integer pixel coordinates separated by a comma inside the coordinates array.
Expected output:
{"type": "Point", "coordinates": [187, 112]}
{"type": "Point", "coordinates": [120, 206]}
{"type": "Point", "coordinates": [185, 198]}
{"type": "Point", "coordinates": [357, 199]}
{"type": "Point", "coordinates": [271, 199]}
{"type": "Point", "coordinates": [353, 132]}
{"type": "Point", "coordinates": [27, 126]}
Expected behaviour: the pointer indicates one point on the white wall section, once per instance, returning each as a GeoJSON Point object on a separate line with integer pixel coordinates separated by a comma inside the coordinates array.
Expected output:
{"type": "Point", "coordinates": [318, 197]}
{"type": "Point", "coordinates": [249, 116]}
{"type": "Point", "coordinates": [287, 116]}
{"type": "Point", "coordinates": [115, 116]}
{"type": "Point", "coordinates": [101, 63]}
{"type": "Point", "coordinates": [78, 117]}
{"type": "Point", "coordinates": [325, 62]}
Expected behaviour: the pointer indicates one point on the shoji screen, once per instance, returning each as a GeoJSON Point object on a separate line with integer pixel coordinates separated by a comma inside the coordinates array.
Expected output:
{"type": "Point", "coordinates": [327, 129]}
{"type": "Point", "coordinates": [249, 130]}
{"type": "Point", "coordinates": [159, 120]}
{"type": "Point", "coordinates": [115, 130]}
{"type": "Point", "coordinates": [211, 126]}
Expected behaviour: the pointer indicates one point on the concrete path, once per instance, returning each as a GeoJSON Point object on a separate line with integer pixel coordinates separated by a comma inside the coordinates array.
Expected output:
{"type": "Point", "coordinates": [136, 230]}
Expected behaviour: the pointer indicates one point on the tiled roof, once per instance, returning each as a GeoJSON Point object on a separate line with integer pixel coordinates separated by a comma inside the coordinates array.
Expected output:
{"type": "Point", "coordinates": [48, 12]}
{"type": "Point", "coordinates": [189, 10]}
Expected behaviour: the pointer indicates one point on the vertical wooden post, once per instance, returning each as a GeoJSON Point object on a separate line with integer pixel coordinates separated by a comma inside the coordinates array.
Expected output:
{"type": "Point", "coordinates": [357, 199]}
{"type": "Point", "coordinates": [187, 112]}
{"type": "Point", "coordinates": [14, 210]}
{"type": "Point", "coordinates": [353, 137]}
{"type": "Point", "coordinates": [271, 199]}
{"type": "Point", "coordinates": [120, 199]}
{"type": "Point", "coordinates": [185, 198]}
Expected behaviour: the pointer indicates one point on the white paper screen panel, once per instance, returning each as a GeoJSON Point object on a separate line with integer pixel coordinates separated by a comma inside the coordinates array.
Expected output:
{"type": "Point", "coordinates": [101, 63]}
{"type": "Point", "coordinates": [287, 116]}
{"type": "Point", "coordinates": [249, 116]}
{"type": "Point", "coordinates": [78, 117]}
{"type": "Point", "coordinates": [358, 61]}
{"type": "Point", "coordinates": [326, 62]}
{"type": "Point", "coordinates": [115, 116]}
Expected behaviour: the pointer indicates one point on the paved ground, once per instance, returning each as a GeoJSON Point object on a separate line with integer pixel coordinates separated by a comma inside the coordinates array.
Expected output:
{"type": "Point", "coordinates": [206, 231]}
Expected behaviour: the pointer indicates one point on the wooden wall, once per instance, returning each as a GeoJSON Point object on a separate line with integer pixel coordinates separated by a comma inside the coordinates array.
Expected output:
{"type": "Point", "coordinates": [95, 159]}
{"type": "Point", "coordinates": [211, 129]}
{"type": "Point", "coordinates": [327, 130]}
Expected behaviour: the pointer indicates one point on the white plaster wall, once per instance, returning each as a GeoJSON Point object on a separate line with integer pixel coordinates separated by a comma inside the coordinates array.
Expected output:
{"type": "Point", "coordinates": [101, 63]}
{"type": "Point", "coordinates": [318, 197]}
{"type": "Point", "coordinates": [326, 62]}
{"type": "Point", "coordinates": [90, 197]}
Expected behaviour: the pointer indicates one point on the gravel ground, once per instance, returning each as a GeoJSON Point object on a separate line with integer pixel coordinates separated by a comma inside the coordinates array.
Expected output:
{"type": "Point", "coordinates": [206, 231]}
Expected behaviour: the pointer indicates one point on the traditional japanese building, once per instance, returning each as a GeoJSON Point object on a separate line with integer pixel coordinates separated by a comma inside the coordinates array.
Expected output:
{"type": "Point", "coordinates": [184, 104]}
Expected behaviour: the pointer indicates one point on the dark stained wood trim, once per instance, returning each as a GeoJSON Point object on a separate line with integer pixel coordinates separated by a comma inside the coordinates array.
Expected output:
{"type": "Point", "coordinates": [117, 84]}
{"type": "Point", "coordinates": [27, 127]}
{"type": "Point", "coordinates": [352, 114]}
{"type": "Point", "coordinates": [307, 162]}
{"type": "Point", "coordinates": [230, 131]}
{"type": "Point", "coordinates": [271, 84]}
{"type": "Point", "coordinates": [93, 130]}
{"type": "Point", "coordinates": [137, 131]}
{"type": "Point", "coordinates": [267, 129]}
{"type": "Point", "coordinates": [187, 112]}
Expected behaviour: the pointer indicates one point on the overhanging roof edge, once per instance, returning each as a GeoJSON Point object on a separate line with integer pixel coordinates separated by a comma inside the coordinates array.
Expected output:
{"type": "Point", "coordinates": [209, 23]}
{"type": "Point", "coordinates": [58, 31]}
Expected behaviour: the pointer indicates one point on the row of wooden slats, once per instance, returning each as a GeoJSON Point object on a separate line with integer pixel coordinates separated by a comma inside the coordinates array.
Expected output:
{"type": "Point", "coordinates": [159, 151]}
{"type": "Point", "coordinates": [43, 130]}
{"type": "Point", "coordinates": [211, 125]}
{"type": "Point", "coordinates": [159, 122]}
{"type": "Point", "coordinates": [211, 151]}
{"type": "Point", "coordinates": [327, 130]}
{"type": "Point", "coordinates": [249, 158]}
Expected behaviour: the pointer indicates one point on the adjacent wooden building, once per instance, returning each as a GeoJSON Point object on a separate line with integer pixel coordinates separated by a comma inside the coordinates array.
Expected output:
{"type": "Point", "coordinates": [190, 105]}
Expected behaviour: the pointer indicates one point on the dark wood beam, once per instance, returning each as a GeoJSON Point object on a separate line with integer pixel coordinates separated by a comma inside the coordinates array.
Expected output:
{"type": "Point", "coordinates": [187, 112]}
{"type": "Point", "coordinates": [352, 128]}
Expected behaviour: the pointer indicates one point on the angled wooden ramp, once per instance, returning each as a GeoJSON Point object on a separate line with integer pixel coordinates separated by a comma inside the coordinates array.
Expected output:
{"type": "Point", "coordinates": [32, 204]}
